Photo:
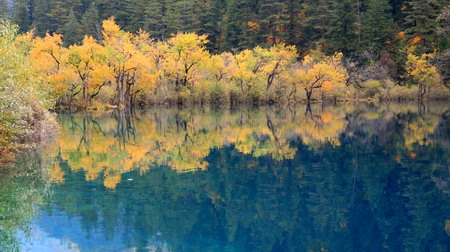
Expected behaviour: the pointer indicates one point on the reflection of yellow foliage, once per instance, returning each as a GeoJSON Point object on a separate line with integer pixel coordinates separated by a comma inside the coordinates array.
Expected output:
{"type": "Point", "coordinates": [326, 117]}
{"type": "Point", "coordinates": [97, 149]}
{"type": "Point", "coordinates": [322, 127]}
{"type": "Point", "coordinates": [418, 130]}
{"type": "Point", "coordinates": [57, 173]}
{"type": "Point", "coordinates": [107, 146]}
{"type": "Point", "coordinates": [447, 227]}
{"type": "Point", "coordinates": [111, 180]}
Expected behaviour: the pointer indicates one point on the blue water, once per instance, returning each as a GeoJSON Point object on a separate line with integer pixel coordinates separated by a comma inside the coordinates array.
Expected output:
{"type": "Point", "coordinates": [335, 178]}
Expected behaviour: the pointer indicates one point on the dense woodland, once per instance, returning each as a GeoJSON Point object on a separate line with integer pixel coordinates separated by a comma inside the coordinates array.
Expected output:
{"type": "Point", "coordinates": [373, 35]}
{"type": "Point", "coordinates": [336, 25]}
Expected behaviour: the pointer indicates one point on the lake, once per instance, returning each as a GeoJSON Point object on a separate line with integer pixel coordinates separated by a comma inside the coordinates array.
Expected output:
{"type": "Point", "coordinates": [350, 177]}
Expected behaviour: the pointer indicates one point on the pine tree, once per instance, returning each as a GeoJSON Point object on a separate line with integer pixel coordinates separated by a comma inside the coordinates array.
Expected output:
{"type": "Point", "coordinates": [155, 19]}
{"type": "Point", "coordinates": [42, 21]}
{"type": "Point", "coordinates": [30, 5]}
{"type": "Point", "coordinates": [240, 27]}
{"type": "Point", "coordinates": [319, 17]}
{"type": "Point", "coordinates": [122, 13]}
{"type": "Point", "coordinates": [90, 22]}
{"type": "Point", "coordinates": [217, 15]}
{"type": "Point", "coordinates": [294, 26]}
{"type": "Point", "coordinates": [76, 5]}
{"type": "Point", "coordinates": [4, 9]}
{"type": "Point", "coordinates": [233, 26]}
{"type": "Point", "coordinates": [21, 16]}
{"type": "Point", "coordinates": [183, 17]}
{"type": "Point", "coordinates": [421, 20]}
{"type": "Point", "coordinates": [58, 16]}
{"type": "Point", "coordinates": [398, 9]}
{"type": "Point", "coordinates": [210, 14]}
{"type": "Point", "coordinates": [274, 19]}
{"type": "Point", "coordinates": [137, 15]}
{"type": "Point", "coordinates": [343, 28]}
{"type": "Point", "coordinates": [106, 8]}
{"type": "Point", "coordinates": [377, 23]}
{"type": "Point", "coordinates": [72, 30]}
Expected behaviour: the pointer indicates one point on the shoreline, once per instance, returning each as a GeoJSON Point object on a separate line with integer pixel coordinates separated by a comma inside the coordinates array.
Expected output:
{"type": "Point", "coordinates": [327, 102]}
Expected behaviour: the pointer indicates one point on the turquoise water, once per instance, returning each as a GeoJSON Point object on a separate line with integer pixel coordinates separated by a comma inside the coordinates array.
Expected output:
{"type": "Point", "coordinates": [334, 178]}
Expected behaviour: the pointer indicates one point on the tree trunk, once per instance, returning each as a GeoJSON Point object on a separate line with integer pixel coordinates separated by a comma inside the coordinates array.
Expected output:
{"type": "Point", "coordinates": [85, 95]}
{"type": "Point", "coordinates": [419, 96]}
{"type": "Point", "coordinates": [308, 95]}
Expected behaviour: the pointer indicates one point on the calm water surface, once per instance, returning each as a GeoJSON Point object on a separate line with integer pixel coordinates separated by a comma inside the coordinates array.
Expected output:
{"type": "Point", "coordinates": [333, 178]}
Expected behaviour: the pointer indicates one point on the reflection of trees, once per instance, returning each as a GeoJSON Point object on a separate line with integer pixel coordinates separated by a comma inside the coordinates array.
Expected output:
{"type": "Point", "coordinates": [335, 178]}
{"type": "Point", "coordinates": [181, 138]}
{"type": "Point", "coordinates": [314, 201]}
{"type": "Point", "coordinates": [22, 185]}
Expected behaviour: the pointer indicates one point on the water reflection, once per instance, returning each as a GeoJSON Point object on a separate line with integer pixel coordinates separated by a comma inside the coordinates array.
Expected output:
{"type": "Point", "coordinates": [21, 187]}
{"type": "Point", "coordinates": [332, 178]}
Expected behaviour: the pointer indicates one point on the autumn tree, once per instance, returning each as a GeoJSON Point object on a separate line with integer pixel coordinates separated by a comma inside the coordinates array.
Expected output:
{"type": "Point", "coordinates": [120, 51]}
{"type": "Point", "coordinates": [323, 73]}
{"type": "Point", "coordinates": [147, 73]}
{"type": "Point", "coordinates": [88, 61]}
{"type": "Point", "coordinates": [185, 54]}
{"type": "Point", "coordinates": [49, 56]}
{"type": "Point", "coordinates": [24, 95]}
{"type": "Point", "coordinates": [278, 59]}
{"type": "Point", "coordinates": [422, 72]}
{"type": "Point", "coordinates": [248, 76]}
{"type": "Point", "coordinates": [126, 60]}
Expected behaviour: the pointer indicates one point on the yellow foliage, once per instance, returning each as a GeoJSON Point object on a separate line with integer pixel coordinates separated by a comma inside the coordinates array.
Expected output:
{"type": "Point", "coordinates": [421, 70]}
{"type": "Point", "coordinates": [253, 25]}
{"type": "Point", "coordinates": [324, 73]}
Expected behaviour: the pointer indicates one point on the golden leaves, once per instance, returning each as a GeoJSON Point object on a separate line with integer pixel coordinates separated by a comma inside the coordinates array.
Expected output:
{"type": "Point", "coordinates": [421, 70]}
{"type": "Point", "coordinates": [111, 31]}
{"type": "Point", "coordinates": [179, 68]}
{"type": "Point", "coordinates": [253, 26]}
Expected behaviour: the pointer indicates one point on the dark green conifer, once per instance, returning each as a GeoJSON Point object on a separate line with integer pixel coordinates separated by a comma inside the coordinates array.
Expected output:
{"type": "Point", "coordinates": [274, 19]}
{"type": "Point", "coordinates": [21, 16]}
{"type": "Point", "coordinates": [72, 30]}
{"type": "Point", "coordinates": [42, 22]}
{"type": "Point", "coordinates": [4, 9]}
{"type": "Point", "coordinates": [378, 25]}
{"type": "Point", "coordinates": [91, 22]}
{"type": "Point", "coordinates": [318, 23]}
{"type": "Point", "coordinates": [421, 21]}
{"type": "Point", "coordinates": [343, 27]}
{"type": "Point", "coordinates": [155, 19]}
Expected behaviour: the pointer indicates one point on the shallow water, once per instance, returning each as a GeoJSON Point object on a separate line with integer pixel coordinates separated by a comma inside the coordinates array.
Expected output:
{"type": "Point", "coordinates": [353, 177]}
